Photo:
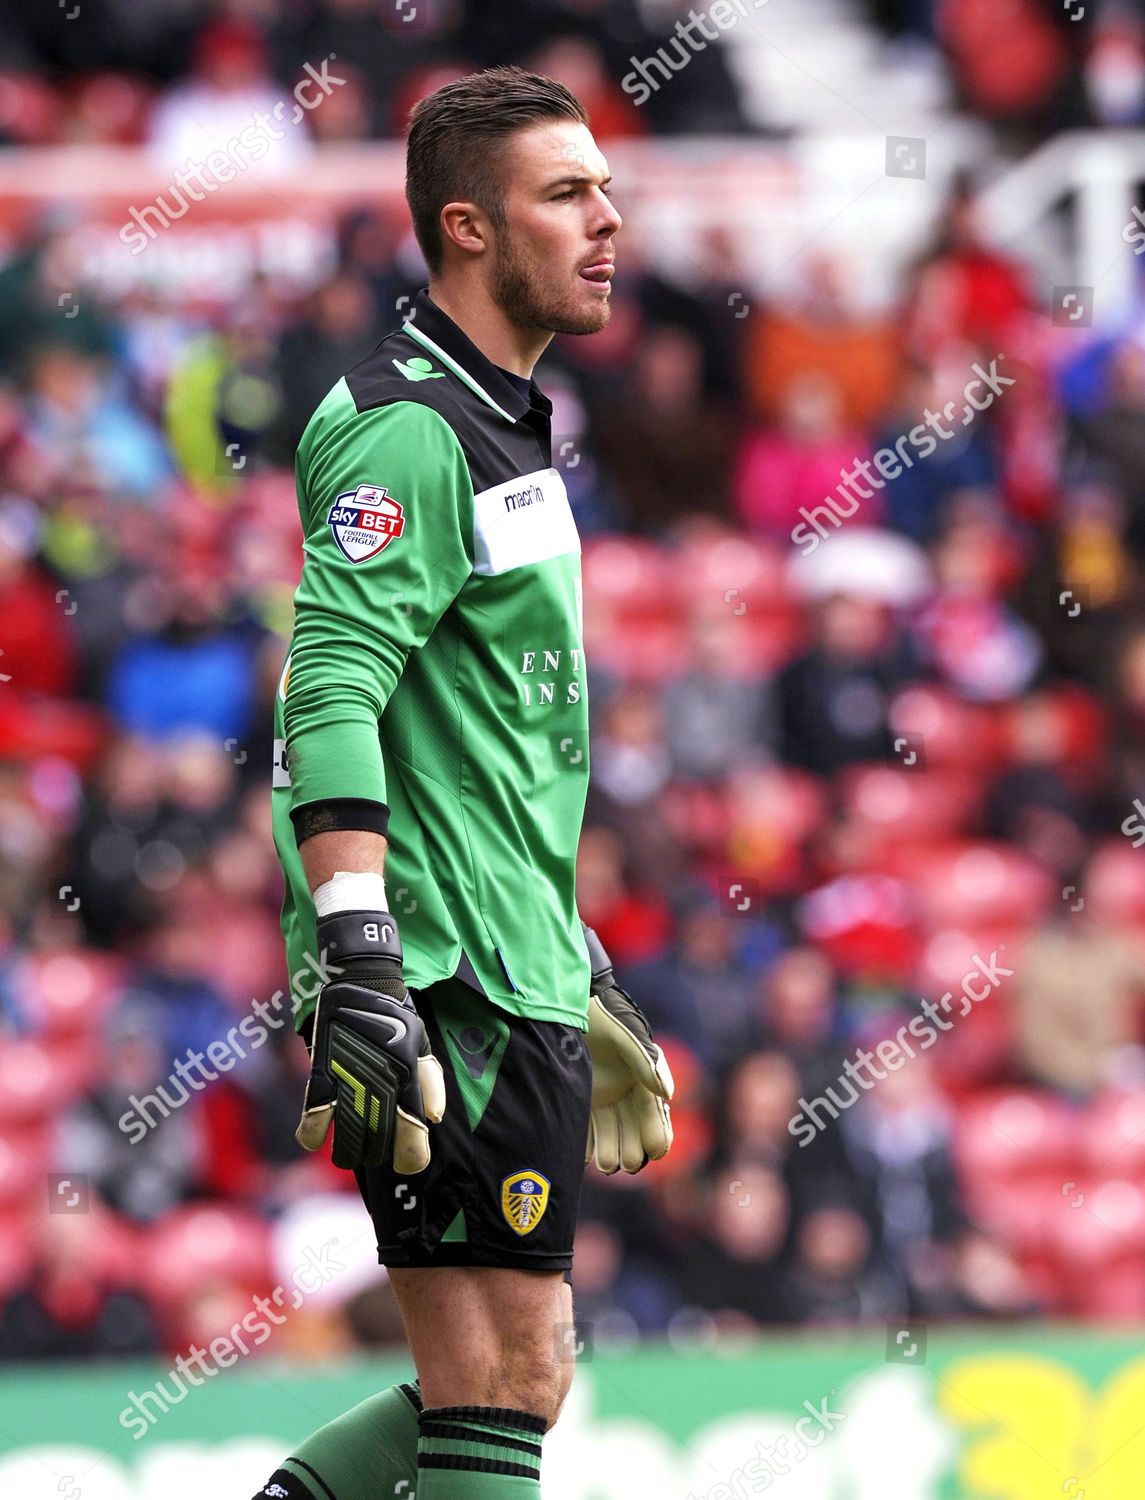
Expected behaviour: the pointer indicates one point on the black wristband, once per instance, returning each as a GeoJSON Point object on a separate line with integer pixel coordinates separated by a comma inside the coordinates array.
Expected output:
{"type": "Point", "coordinates": [338, 814]}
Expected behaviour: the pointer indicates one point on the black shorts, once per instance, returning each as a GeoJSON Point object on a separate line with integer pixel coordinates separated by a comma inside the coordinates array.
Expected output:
{"type": "Point", "coordinates": [503, 1184]}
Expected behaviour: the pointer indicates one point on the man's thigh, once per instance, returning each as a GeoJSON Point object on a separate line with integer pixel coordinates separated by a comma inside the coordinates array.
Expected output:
{"type": "Point", "coordinates": [503, 1185]}
{"type": "Point", "coordinates": [488, 1336]}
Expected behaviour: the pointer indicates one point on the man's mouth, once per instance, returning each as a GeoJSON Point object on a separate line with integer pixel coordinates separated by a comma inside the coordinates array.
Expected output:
{"type": "Point", "coordinates": [600, 271]}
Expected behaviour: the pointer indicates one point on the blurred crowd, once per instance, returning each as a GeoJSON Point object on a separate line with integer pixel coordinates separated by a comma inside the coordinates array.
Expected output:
{"type": "Point", "coordinates": [113, 72]}
{"type": "Point", "coordinates": [836, 772]}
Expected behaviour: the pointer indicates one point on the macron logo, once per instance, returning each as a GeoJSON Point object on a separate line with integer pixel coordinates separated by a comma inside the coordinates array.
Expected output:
{"type": "Point", "coordinates": [532, 495]}
{"type": "Point", "coordinates": [418, 369]}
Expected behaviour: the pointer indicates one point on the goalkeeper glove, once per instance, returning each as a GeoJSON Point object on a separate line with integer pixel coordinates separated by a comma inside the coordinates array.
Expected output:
{"type": "Point", "coordinates": [372, 1073]}
{"type": "Point", "coordinates": [630, 1123]}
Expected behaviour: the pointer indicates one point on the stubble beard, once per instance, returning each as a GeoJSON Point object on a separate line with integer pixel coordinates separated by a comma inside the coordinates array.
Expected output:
{"type": "Point", "coordinates": [521, 294]}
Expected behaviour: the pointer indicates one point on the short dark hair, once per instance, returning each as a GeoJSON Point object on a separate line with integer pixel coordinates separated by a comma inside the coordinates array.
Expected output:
{"type": "Point", "coordinates": [455, 147]}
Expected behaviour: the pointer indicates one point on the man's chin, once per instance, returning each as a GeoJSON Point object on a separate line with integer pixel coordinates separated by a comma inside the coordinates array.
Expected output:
{"type": "Point", "coordinates": [581, 319]}
{"type": "Point", "coordinates": [531, 301]}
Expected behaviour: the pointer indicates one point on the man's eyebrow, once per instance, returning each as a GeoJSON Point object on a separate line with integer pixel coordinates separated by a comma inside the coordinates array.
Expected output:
{"type": "Point", "coordinates": [575, 178]}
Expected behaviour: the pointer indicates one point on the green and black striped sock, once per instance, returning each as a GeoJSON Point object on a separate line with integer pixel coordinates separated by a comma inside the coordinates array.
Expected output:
{"type": "Point", "coordinates": [366, 1453]}
{"type": "Point", "coordinates": [479, 1453]}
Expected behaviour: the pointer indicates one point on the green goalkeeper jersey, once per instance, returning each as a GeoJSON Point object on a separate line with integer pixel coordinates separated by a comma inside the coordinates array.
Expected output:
{"type": "Point", "coordinates": [436, 675]}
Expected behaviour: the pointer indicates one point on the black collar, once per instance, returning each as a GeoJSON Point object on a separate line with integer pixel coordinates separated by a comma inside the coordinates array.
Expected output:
{"type": "Point", "coordinates": [434, 324]}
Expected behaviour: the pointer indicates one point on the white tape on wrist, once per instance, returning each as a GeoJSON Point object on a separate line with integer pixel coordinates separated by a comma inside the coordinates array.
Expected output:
{"type": "Point", "coordinates": [351, 890]}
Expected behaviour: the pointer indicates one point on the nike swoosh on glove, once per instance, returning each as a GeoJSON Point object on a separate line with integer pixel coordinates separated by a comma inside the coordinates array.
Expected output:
{"type": "Point", "coordinates": [373, 1077]}
{"type": "Point", "coordinates": [632, 1085]}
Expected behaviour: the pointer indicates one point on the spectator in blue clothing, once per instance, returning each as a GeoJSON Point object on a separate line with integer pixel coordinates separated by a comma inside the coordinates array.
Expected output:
{"type": "Point", "coordinates": [915, 499]}
{"type": "Point", "coordinates": [94, 435]}
{"type": "Point", "coordinates": [196, 671]}
{"type": "Point", "coordinates": [171, 986]}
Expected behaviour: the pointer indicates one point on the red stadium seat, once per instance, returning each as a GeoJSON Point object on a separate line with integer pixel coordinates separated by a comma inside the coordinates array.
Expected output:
{"type": "Point", "coordinates": [1113, 1134]}
{"type": "Point", "coordinates": [633, 623]}
{"type": "Point", "coordinates": [642, 651]}
{"type": "Point", "coordinates": [72, 991]}
{"type": "Point", "coordinates": [1080, 1243]}
{"type": "Point", "coordinates": [949, 956]}
{"type": "Point", "coordinates": [25, 1157]}
{"type": "Point", "coordinates": [627, 575]}
{"type": "Point", "coordinates": [975, 884]}
{"type": "Point", "coordinates": [960, 735]}
{"type": "Point", "coordinates": [16, 1248]}
{"type": "Point", "coordinates": [1015, 1133]}
{"type": "Point", "coordinates": [1117, 1295]}
{"type": "Point", "coordinates": [750, 569]}
{"type": "Point", "coordinates": [1099, 1230]}
{"type": "Point", "coordinates": [1062, 726]}
{"type": "Point", "coordinates": [744, 575]}
{"type": "Point", "coordinates": [751, 646]}
{"type": "Point", "coordinates": [737, 598]}
{"type": "Point", "coordinates": [40, 1078]}
{"type": "Point", "coordinates": [651, 611]}
{"type": "Point", "coordinates": [976, 1052]}
{"type": "Point", "coordinates": [34, 728]}
{"type": "Point", "coordinates": [864, 923]}
{"type": "Point", "coordinates": [111, 1245]}
{"type": "Point", "coordinates": [202, 1243]}
{"type": "Point", "coordinates": [269, 498]}
{"type": "Point", "coordinates": [698, 815]}
{"type": "Point", "coordinates": [1019, 1211]}
{"type": "Point", "coordinates": [113, 108]}
{"type": "Point", "coordinates": [1114, 884]}
{"type": "Point", "coordinates": [904, 808]}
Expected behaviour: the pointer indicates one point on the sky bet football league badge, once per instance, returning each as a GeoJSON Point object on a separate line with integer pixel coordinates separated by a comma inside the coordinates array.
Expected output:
{"type": "Point", "coordinates": [365, 521]}
{"type": "Point", "coordinates": [524, 1198]}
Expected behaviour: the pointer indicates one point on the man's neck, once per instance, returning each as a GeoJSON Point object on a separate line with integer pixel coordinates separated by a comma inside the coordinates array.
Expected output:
{"type": "Point", "coordinates": [504, 343]}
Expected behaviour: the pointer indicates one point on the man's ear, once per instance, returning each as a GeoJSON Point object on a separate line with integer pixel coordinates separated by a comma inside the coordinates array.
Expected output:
{"type": "Point", "coordinates": [466, 226]}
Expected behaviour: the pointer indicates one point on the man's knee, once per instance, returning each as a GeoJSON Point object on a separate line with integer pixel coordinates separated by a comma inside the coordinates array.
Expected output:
{"type": "Point", "coordinates": [535, 1373]}
{"type": "Point", "coordinates": [517, 1372]}
{"type": "Point", "coordinates": [496, 1338]}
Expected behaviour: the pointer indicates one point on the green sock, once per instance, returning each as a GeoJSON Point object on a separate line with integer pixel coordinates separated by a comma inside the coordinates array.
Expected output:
{"type": "Point", "coordinates": [479, 1453]}
{"type": "Point", "coordinates": [368, 1453]}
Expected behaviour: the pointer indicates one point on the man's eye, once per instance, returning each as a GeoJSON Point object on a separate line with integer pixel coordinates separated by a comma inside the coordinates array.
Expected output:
{"type": "Point", "coordinates": [560, 197]}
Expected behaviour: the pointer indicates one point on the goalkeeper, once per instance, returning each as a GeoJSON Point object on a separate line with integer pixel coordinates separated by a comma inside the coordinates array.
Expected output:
{"type": "Point", "coordinates": [429, 786]}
